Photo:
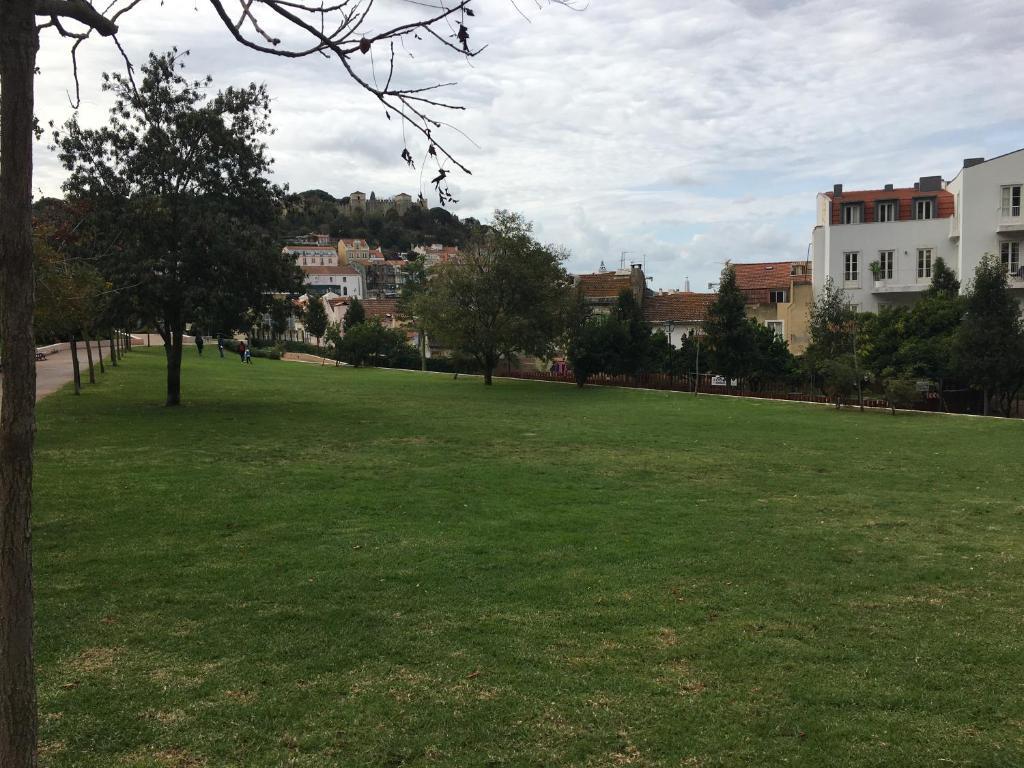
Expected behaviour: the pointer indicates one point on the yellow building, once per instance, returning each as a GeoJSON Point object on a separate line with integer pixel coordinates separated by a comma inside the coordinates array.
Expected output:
{"type": "Point", "coordinates": [779, 294]}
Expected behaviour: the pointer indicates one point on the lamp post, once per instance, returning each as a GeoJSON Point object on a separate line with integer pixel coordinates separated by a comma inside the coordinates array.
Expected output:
{"type": "Point", "coordinates": [671, 326]}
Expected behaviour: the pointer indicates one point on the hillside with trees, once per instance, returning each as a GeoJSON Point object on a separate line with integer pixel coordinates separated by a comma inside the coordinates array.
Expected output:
{"type": "Point", "coordinates": [318, 211]}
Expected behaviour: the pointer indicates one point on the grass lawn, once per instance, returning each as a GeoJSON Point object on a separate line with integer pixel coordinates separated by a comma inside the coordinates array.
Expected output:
{"type": "Point", "coordinates": [322, 567]}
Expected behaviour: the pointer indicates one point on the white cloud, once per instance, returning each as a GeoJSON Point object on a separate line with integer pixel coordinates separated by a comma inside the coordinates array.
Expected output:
{"type": "Point", "coordinates": [690, 131]}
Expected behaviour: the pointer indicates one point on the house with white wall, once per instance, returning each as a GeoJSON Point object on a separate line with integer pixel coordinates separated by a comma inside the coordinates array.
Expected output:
{"type": "Point", "coordinates": [880, 245]}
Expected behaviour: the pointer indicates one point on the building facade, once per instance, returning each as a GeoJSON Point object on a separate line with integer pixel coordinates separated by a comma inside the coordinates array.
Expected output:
{"type": "Point", "coordinates": [880, 245]}
{"type": "Point", "coordinates": [779, 294]}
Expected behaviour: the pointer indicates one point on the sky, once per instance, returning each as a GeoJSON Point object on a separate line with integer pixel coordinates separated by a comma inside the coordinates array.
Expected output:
{"type": "Point", "coordinates": [682, 133]}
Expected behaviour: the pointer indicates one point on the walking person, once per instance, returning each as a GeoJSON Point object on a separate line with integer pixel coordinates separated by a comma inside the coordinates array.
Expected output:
{"type": "Point", "coordinates": [199, 342]}
{"type": "Point", "coordinates": [220, 344]}
{"type": "Point", "coordinates": [242, 349]}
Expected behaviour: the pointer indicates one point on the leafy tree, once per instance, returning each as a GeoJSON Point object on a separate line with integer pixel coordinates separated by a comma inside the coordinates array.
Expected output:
{"type": "Point", "coordinates": [771, 360]}
{"type": "Point", "coordinates": [370, 343]}
{"type": "Point", "coordinates": [596, 347]}
{"type": "Point", "coordinates": [832, 320]}
{"type": "Point", "coordinates": [412, 289]}
{"type": "Point", "coordinates": [988, 348]}
{"type": "Point", "coordinates": [636, 356]}
{"type": "Point", "coordinates": [728, 334]}
{"type": "Point", "coordinates": [335, 31]}
{"type": "Point", "coordinates": [880, 341]}
{"type": "Point", "coordinates": [839, 378]}
{"type": "Point", "coordinates": [314, 318]}
{"type": "Point", "coordinates": [944, 282]}
{"type": "Point", "coordinates": [901, 392]}
{"type": "Point", "coordinates": [354, 315]}
{"type": "Point", "coordinates": [930, 329]}
{"type": "Point", "coordinates": [506, 292]}
{"type": "Point", "coordinates": [187, 233]}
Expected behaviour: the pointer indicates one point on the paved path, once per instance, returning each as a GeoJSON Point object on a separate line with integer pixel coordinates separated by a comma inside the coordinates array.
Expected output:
{"type": "Point", "coordinates": [57, 370]}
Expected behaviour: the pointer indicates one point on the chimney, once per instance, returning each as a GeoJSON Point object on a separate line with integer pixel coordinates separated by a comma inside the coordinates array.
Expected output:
{"type": "Point", "coordinates": [888, 187]}
{"type": "Point", "coordinates": [917, 186]}
{"type": "Point", "coordinates": [972, 161]}
{"type": "Point", "coordinates": [837, 190]}
{"type": "Point", "coordinates": [930, 183]}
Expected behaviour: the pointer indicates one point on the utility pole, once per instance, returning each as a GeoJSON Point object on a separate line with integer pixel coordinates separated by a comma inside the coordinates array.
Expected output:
{"type": "Point", "coordinates": [696, 378]}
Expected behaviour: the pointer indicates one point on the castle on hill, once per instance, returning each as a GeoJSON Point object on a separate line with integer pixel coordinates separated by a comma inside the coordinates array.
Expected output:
{"type": "Point", "coordinates": [358, 201]}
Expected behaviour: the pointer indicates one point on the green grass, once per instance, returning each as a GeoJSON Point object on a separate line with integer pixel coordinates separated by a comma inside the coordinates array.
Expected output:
{"type": "Point", "coordinates": [321, 567]}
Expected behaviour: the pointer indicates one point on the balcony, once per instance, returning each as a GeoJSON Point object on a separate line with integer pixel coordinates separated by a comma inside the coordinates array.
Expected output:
{"type": "Point", "coordinates": [902, 286]}
{"type": "Point", "coordinates": [1010, 219]}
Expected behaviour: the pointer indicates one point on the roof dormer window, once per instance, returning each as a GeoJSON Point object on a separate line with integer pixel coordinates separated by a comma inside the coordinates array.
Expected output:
{"type": "Point", "coordinates": [852, 213]}
{"type": "Point", "coordinates": [924, 208]}
{"type": "Point", "coordinates": [886, 210]}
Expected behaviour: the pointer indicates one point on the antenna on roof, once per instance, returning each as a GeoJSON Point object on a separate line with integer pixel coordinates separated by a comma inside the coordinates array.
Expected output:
{"type": "Point", "coordinates": [622, 259]}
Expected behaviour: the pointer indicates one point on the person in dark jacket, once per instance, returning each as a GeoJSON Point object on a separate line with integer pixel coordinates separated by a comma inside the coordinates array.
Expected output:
{"type": "Point", "coordinates": [199, 343]}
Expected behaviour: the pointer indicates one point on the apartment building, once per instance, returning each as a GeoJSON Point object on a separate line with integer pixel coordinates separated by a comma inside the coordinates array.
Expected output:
{"type": "Point", "coordinates": [880, 245]}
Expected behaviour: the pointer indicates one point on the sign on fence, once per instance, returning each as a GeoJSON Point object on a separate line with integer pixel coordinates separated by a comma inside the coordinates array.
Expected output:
{"type": "Point", "coordinates": [719, 381]}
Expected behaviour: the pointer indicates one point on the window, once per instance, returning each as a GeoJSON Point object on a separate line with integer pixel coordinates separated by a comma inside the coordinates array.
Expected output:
{"type": "Point", "coordinates": [885, 210]}
{"type": "Point", "coordinates": [303, 261]}
{"type": "Point", "coordinates": [851, 271]}
{"type": "Point", "coordinates": [321, 261]}
{"type": "Point", "coordinates": [777, 327]}
{"type": "Point", "coordinates": [778, 297]}
{"type": "Point", "coordinates": [885, 261]}
{"type": "Point", "coordinates": [924, 263]}
{"type": "Point", "coordinates": [1011, 200]}
{"type": "Point", "coordinates": [344, 291]}
{"type": "Point", "coordinates": [924, 208]}
{"type": "Point", "coordinates": [852, 213]}
{"type": "Point", "coordinates": [1009, 251]}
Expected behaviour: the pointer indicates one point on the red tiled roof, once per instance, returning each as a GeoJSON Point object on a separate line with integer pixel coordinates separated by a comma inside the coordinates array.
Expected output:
{"type": "Point", "coordinates": [680, 306]}
{"type": "Point", "coordinates": [356, 243]}
{"type": "Point", "coordinates": [765, 275]}
{"type": "Point", "coordinates": [299, 246]}
{"type": "Point", "coordinates": [904, 196]}
{"type": "Point", "coordinates": [381, 307]}
{"type": "Point", "coordinates": [341, 270]}
{"type": "Point", "coordinates": [603, 285]}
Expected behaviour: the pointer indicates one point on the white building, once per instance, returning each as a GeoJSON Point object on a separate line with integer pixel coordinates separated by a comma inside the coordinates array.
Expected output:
{"type": "Point", "coordinates": [880, 244]}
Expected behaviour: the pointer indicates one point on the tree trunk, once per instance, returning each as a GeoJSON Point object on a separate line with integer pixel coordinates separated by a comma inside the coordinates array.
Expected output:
{"type": "Point", "coordinates": [423, 350]}
{"type": "Point", "coordinates": [99, 354]}
{"type": "Point", "coordinates": [77, 377]}
{"type": "Point", "coordinates": [19, 42]}
{"type": "Point", "coordinates": [172, 346]}
{"type": "Point", "coordinates": [113, 349]}
{"type": "Point", "coordinates": [88, 356]}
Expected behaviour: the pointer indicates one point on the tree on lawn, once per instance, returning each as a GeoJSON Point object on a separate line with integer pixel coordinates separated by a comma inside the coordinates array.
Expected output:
{"type": "Point", "coordinates": [728, 334]}
{"type": "Point", "coordinates": [833, 327]}
{"type": "Point", "coordinates": [772, 362]}
{"type": "Point", "coordinates": [354, 315]}
{"type": "Point", "coordinates": [182, 211]}
{"type": "Point", "coordinates": [505, 293]}
{"type": "Point", "coordinates": [596, 346]}
{"type": "Point", "coordinates": [635, 357]}
{"type": "Point", "coordinates": [315, 318]}
{"type": "Point", "coordinates": [412, 288]}
{"type": "Point", "coordinates": [370, 343]}
{"type": "Point", "coordinates": [988, 348]}
{"type": "Point", "coordinates": [345, 32]}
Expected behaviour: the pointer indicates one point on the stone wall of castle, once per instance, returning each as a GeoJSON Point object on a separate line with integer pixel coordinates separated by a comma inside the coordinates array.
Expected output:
{"type": "Point", "coordinates": [358, 201]}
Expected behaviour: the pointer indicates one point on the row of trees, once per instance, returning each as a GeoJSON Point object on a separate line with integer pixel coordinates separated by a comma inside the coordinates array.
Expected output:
{"type": "Point", "coordinates": [950, 340]}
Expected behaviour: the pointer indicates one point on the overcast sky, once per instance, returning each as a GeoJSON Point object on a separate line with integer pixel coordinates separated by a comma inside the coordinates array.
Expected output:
{"type": "Point", "coordinates": [686, 133]}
